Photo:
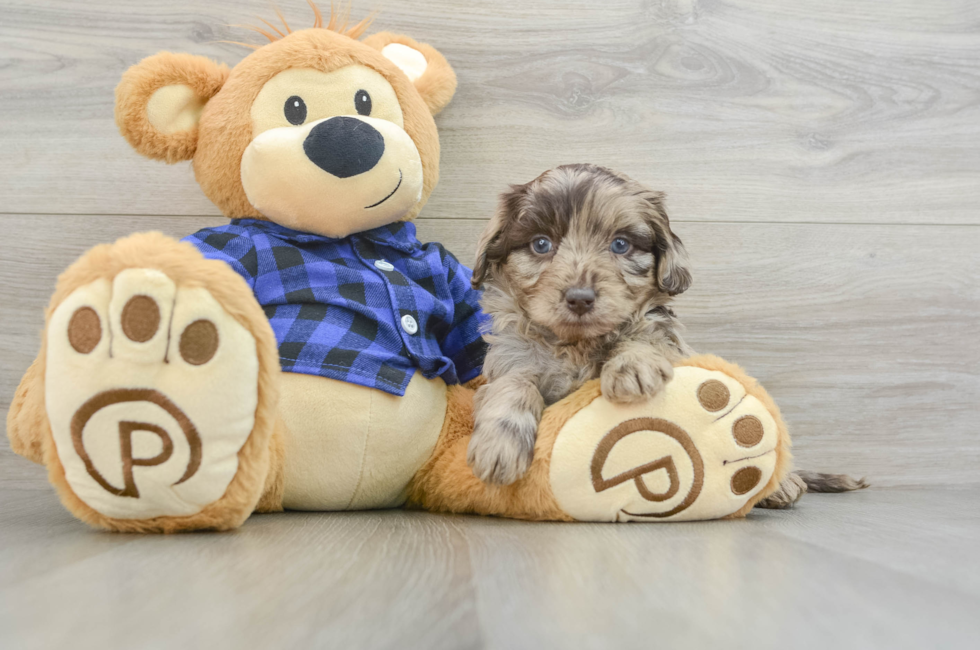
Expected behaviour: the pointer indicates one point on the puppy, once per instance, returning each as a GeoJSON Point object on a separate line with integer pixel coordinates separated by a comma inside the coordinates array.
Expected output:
{"type": "Point", "coordinates": [578, 267]}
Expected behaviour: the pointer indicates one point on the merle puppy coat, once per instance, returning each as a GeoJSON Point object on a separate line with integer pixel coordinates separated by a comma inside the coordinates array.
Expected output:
{"type": "Point", "coordinates": [578, 267]}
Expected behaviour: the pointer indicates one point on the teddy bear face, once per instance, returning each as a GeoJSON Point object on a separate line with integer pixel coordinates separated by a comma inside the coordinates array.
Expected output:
{"type": "Point", "coordinates": [330, 145]}
{"type": "Point", "coordinates": [316, 131]}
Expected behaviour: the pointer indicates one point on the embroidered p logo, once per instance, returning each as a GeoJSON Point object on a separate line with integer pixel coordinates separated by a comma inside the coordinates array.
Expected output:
{"type": "Point", "coordinates": [701, 449]}
{"type": "Point", "coordinates": [126, 430]}
{"type": "Point", "coordinates": [640, 473]}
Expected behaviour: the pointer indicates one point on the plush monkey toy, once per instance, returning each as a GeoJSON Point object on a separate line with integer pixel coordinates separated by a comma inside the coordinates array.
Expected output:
{"type": "Point", "coordinates": [312, 354]}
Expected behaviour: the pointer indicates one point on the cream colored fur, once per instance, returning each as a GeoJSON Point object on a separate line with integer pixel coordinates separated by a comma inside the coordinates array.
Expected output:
{"type": "Point", "coordinates": [175, 108]}
{"type": "Point", "coordinates": [288, 188]}
{"type": "Point", "coordinates": [219, 398]}
{"type": "Point", "coordinates": [719, 455]}
{"type": "Point", "coordinates": [349, 447]}
{"type": "Point", "coordinates": [28, 423]}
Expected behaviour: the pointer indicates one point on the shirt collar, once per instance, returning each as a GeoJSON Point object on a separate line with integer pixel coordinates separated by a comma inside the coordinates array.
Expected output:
{"type": "Point", "coordinates": [399, 235]}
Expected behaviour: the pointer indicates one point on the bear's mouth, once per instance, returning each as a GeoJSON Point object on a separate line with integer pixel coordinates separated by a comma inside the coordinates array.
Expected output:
{"type": "Point", "coordinates": [390, 194]}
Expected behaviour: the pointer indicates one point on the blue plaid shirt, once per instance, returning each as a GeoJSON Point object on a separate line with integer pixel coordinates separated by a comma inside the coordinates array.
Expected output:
{"type": "Point", "coordinates": [367, 309]}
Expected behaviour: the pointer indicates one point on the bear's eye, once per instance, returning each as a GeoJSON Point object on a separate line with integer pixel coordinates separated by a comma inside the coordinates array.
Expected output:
{"type": "Point", "coordinates": [295, 110]}
{"type": "Point", "coordinates": [620, 246]}
{"type": "Point", "coordinates": [362, 102]}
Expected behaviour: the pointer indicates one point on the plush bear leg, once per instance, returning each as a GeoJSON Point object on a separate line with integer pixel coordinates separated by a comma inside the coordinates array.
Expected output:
{"type": "Point", "coordinates": [447, 484]}
{"type": "Point", "coordinates": [709, 446]}
{"type": "Point", "coordinates": [27, 425]}
{"type": "Point", "coordinates": [153, 401]}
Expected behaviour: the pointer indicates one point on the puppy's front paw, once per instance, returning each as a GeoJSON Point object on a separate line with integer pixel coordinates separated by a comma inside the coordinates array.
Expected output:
{"type": "Point", "coordinates": [501, 450]}
{"type": "Point", "coordinates": [629, 378]}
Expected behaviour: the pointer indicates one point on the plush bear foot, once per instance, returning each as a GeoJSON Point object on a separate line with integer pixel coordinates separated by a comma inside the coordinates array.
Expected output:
{"type": "Point", "coordinates": [152, 392]}
{"type": "Point", "coordinates": [703, 448]}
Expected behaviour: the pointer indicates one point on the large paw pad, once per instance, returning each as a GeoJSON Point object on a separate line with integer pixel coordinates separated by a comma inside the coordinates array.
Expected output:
{"type": "Point", "coordinates": [151, 391]}
{"type": "Point", "coordinates": [700, 449]}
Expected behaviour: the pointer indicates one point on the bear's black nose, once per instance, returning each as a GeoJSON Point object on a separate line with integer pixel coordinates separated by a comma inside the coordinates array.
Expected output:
{"type": "Point", "coordinates": [344, 146]}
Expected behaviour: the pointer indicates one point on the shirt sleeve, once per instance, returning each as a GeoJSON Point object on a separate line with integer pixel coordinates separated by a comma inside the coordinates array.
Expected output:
{"type": "Point", "coordinates": [230, 244]}
{"type": "Point", "coordinates": [463, 343]}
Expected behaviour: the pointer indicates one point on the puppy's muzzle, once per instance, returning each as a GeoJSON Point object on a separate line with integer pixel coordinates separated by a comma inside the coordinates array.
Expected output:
{"type": "Point", "coordinates": [344, 146]}
{"type": "Point", "coordinates": [580, 300]}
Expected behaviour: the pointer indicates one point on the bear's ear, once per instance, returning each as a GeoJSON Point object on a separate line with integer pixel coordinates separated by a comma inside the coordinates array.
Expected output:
{"type": "Point", "coordinates": [159, 103]}
{"type": "Point", "coordinates": [422, 63]}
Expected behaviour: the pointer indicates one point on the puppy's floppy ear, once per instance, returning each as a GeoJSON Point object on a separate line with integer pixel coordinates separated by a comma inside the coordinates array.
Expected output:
{"type": "Point", "coordinates": [159, 103]}
{"type": "Point", "coordinates": [673, 273]}
{"type": "Point", "coordinates": [492, 249]}
{"type": "Point", "coordinates": [422, 64]}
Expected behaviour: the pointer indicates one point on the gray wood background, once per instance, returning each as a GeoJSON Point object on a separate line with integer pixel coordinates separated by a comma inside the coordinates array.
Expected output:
{"type": "Point", "coordinates": [821, 159]}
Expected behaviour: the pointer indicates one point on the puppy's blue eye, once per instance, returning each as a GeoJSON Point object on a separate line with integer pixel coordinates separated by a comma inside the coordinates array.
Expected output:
{"type": "Point", "coordinates": [541, 245]}
{"type": "Point", "coordinates": [619, 246]}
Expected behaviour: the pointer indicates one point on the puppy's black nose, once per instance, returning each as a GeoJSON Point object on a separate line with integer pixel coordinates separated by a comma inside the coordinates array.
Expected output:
{"type": "Point", "coordinates": [580, 300]}
{"type": "Point", "coordinates": [344, 146]}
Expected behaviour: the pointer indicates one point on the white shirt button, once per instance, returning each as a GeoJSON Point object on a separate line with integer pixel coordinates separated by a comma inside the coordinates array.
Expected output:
{"type": "Point", "coordinates": [409, 324]}
{"type": "Point", "coordinates": [384, 265]}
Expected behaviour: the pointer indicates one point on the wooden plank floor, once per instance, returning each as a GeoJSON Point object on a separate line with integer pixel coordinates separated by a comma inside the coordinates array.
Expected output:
{"type": "Point", "coordinates": [822, 161]}
{"type": "Point", "coordinates": [877, 569]}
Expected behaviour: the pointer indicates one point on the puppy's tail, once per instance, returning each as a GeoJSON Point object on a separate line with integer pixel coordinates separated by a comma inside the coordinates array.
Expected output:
{"type": "Point", "coordinates": [800, 482]}
{"type": "Point", "coordinates": [817, 482]}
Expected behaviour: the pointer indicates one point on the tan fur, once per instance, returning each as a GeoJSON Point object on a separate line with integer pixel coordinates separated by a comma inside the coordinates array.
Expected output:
{"type": "Point", "coordinates": [446, 483]}
{"type": "Point", "coordinates": [216, 143]}
{"type": "Point", "coordinates": [205, 78]}
{"type": "Point", "coordinates": [438, 84]}
{"type": "Point", "coordinates": [186, 267]}
{"type": "Point", "coordinates": [27, 422]}
{"type": "Point", "coordinates": [275, 480]}
{"type": "Point", "coordinates": [338, 22]}
{"type": "Point", "coordinates": [225, 127]}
